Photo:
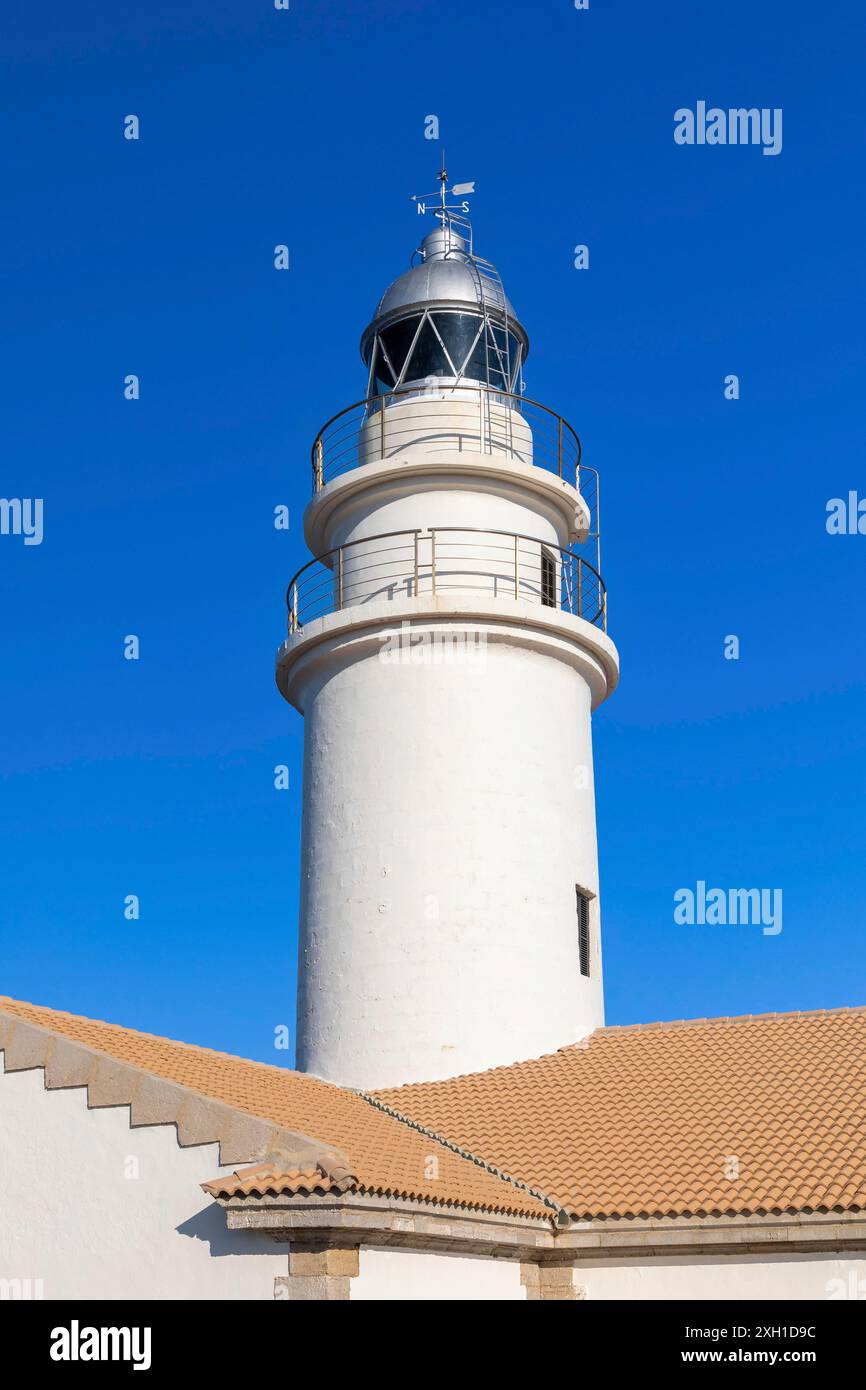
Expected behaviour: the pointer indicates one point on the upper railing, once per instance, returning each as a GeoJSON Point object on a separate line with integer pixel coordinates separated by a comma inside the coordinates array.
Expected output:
{"type": "Point", "coordinates": [482, 420]}
{"type": "Point", "coordinates": [456, 559]}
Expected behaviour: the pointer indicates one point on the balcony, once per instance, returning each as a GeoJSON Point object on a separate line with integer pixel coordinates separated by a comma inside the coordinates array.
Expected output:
{"type": "Point", "coordinates": [443, 416]}
{"type": "Point", "coordinates": [442, 560]}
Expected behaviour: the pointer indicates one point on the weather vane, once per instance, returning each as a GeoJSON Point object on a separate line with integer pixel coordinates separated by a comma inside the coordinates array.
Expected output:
{"type": "Point", "coordinates": [457, 190]}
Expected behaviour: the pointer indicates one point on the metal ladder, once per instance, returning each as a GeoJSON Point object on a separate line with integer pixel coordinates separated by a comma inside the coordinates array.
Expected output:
{"type": "Point", "coordinates": [491, 294]}
{"type": "Point", "coordinates": [487, 276]}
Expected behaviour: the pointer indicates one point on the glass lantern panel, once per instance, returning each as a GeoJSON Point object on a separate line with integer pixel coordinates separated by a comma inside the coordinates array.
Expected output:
{"type": "Point", "coordinates": [458, 332]}
{"type": "Point", "coordinates": [427, 359]}
{"type": "Point", "coordinates": [397, 340]}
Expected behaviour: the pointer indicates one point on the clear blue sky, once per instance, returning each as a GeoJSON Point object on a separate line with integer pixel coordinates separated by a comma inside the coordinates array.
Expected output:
{"type": "Point", "coordinates": [156, 257]}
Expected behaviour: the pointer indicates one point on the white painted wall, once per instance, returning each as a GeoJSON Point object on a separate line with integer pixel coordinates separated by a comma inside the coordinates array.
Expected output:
{"type": "Point", "coordinates": [728, 1277]}
{"type": "Point", "coordinates": [448, 814]}
{"type": "Point", "coordinates": [70, 1217]}
{"type": "Point", "coordinates": [410, 1277]}
{"type": "Point", "coordinates": [403, 1275]}
{"type": "Point", "coordinates": [474, 561]}
{"type": "Point", "coordinates": [448, 499]}
{"type": "Point", "coordinates": [438, 419]}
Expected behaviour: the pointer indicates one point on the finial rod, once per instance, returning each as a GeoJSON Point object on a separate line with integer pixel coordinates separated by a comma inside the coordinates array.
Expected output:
{"type": "Point", "coordinates": [447, 212]}
{"type": "Point", "coordinates": [443, 180]}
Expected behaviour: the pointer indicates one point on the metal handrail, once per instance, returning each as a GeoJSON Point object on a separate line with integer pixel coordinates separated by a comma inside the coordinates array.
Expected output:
{"type": "Point", "coordinates": [574, 585]}
{"type": "Point", "coordinates": [333, 454]}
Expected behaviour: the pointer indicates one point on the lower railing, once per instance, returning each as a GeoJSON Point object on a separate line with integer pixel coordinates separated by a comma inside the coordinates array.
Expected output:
{"type": "Point", "coordinates": [443, 559]}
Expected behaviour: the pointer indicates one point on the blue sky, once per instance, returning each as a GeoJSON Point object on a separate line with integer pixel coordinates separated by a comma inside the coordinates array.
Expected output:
{"type": "Point", "coordinates": [155, 257]}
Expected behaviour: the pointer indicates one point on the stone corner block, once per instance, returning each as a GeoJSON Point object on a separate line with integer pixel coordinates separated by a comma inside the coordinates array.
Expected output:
{"type": "Point", "coordinates": [551, 1283]}
{"type": "Point", "coordinates": [330, 1262]}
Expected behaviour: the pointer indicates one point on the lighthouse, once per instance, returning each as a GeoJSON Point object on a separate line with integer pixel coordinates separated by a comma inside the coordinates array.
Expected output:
{"type": "Point", "coordinates": [447, 645]}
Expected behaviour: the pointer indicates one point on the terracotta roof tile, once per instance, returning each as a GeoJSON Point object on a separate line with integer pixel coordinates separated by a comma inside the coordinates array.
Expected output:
{"type": "Point", "coordinates": [267, 1180]}
{"type": "Point", "coordinates": [387, 1157]}
{"type": "Point", "coordinates": [737, 1115]}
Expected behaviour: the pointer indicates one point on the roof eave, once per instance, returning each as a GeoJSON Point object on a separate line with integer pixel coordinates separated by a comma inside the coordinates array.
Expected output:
{"type": "Point", "coordinates": [723, 1234]}
{"type": "Point", "coordinates": [358, 1218]}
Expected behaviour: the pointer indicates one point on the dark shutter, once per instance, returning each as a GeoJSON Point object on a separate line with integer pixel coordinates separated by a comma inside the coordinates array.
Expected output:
{"type": "Point", "coordinates": [583, 931]}
{"type": "Point", "coordinates": [548, 579]}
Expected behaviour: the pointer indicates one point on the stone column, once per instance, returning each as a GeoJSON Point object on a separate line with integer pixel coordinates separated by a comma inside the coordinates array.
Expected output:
{"type": "Point", "coordinates": [556, 1283]}
{"type": "Point", "coordinates": [319, 1273]}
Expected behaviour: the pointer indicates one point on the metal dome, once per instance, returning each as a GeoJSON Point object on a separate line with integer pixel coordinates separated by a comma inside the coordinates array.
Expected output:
{"type": "Point", "coordinates": [449, 277]}
{"type": "Point", "coordinates": [445, 274]}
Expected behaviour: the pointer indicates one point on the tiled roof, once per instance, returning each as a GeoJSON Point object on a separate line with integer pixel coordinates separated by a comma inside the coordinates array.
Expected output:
{"type": "Point", "coordinates": [266, 1179]}
{"type": "Point", "coordinates": [386, 1156]}
{"type": "Point", "coordinates": [743, 1115]}
{"type": "Point", "coordinates": [740, 1115]}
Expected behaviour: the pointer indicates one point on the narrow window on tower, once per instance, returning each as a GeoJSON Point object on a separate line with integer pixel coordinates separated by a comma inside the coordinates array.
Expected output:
{"type": "Point", "coordinates": [583, 930]}
{"type": "Point", "coordinates": [548, 578]}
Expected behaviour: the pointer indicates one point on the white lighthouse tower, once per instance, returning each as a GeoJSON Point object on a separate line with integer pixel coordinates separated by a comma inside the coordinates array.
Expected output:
{"type": "Point", "coordinates": [446, 648]}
